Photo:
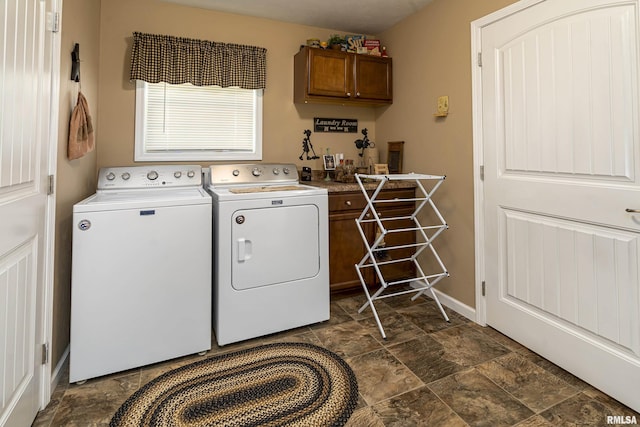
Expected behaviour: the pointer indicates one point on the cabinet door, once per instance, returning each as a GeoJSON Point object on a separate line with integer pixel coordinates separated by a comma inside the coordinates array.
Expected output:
{"type": "Point", "coordinates": [404, 269]}
{"type": "Point", "coordinates": [330, 73]}
{"type": "Point", "coordinates": [346, 250]}
{"type": "Point", "coordinates": [373, 78]}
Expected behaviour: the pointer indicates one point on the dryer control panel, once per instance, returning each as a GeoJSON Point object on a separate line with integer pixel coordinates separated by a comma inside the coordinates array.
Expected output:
{"type": "Point", "coordinates": [158, 176]}
{"type": "Point", "coordinates": [259, 173]}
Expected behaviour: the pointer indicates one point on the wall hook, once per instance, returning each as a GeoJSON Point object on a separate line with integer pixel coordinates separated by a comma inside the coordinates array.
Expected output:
{"type": "Point", "coordinates": [75, 63]}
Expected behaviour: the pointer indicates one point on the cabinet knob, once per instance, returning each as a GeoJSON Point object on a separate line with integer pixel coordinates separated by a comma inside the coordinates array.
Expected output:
{"type": "Point", "coordinates": [358, 94]}
{"type": "Point", "coordinates": [348, 203]}
{"type": "Point", "coordinates": [367, 216]}
{"type": "Point", "coordinates": [348, 93]}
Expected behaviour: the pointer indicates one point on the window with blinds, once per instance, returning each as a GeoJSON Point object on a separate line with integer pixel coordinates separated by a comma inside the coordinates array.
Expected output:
{"type": "Point", "coordinates": [186, 122]}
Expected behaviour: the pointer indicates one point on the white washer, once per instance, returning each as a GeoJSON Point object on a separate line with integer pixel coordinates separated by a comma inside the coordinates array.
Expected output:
{"type": "Point", "coordinates": [141, 270]}
{"type": "Point", "coordinates": [270, 249]}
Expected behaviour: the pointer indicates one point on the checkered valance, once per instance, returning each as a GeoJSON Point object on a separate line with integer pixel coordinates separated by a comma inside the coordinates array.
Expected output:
{"type": "Point", "coordinates": [158, 58]}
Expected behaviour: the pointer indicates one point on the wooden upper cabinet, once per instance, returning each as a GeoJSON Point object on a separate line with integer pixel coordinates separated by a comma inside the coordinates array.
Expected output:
{"type": "Point", "coordinates": [330, 73]}
{"type": "Point", "coordinates": [373, 78]}
{"type": "Point", "coordinates": [335, 77]}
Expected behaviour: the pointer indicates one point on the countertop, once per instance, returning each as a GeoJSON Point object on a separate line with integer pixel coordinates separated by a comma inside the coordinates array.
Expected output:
{"type": "Point", "coordinates": [342, 187]}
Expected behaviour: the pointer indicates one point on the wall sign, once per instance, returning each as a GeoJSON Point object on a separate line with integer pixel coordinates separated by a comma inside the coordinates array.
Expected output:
{"type": "Point", "coordinates": [321, 124]}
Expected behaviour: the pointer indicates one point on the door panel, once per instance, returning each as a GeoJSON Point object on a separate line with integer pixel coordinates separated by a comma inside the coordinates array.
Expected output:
{"type": "Point", "coordinates": [25, 84]}
{"type": "Point", "coordinates": [548, 76]}
{"type": "Point", "coordinates": [330, 73]}
{"type": "Point", "coordinates": [577, 273]}
{"type": "Point", "coordinates": [274, 245]}
{"type": "Point", "coordinates": [562, 160]}
{"type": "Point", "coordinates": [346, 249]}
{"type": "Point", "coordinates": [17, 324]}
{"type": "Point", "coordinates": [373, 77]}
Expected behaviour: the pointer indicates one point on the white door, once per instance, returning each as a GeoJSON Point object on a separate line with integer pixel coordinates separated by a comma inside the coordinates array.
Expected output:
{"type": "Point", "coordinates": [25, 85]}
{"type": "Point", "coordinates": [561, 165]}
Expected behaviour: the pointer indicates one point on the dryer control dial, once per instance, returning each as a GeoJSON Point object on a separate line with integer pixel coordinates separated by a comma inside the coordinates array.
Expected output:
{"type": "Point", "coordinates": [111, 176]}
{"type": "Point", "coordinates": [191, 174]}
{"type": "Point", "coordinates": [286, 171]}
{"type": "Point", "coordinates": [152, 175]}
{"type": "Point", "coordinates": [235, 172]}
{"type": "Point", "coordinates": [125, 176]}
{"type": "Point", "coordinates": [276, 171]}
{"type": "Point", "coordinates": [177, 174]}
{"type": "Point", "coordinates": [256, 172]}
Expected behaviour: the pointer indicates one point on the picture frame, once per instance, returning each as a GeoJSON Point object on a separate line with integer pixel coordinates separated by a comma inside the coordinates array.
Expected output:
{"type": "Point", "coordinates": [395, 151]}
{"type": "Point", "coordinates": [329, 162]}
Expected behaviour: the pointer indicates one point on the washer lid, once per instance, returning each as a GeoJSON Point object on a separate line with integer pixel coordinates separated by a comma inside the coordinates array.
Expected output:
{"type": "Point", "coordinates": [136, 199]}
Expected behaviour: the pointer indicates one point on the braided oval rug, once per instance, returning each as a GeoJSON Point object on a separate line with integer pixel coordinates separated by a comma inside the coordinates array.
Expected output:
{"type": "Point", "coordinates": [282, 384]}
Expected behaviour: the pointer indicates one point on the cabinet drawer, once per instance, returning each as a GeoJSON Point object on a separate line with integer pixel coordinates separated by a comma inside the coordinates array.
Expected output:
{"type": "Point", "coordinates": [356, 201]}
{"type": "Point", "coordinates": [346, 202]}
{"type": "Point", "coordinates": [401, 194]}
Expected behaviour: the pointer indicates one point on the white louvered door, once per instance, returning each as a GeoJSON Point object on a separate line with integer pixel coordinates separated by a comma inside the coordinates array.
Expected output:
{"type": "Point", "coordinates": [562, 164]}
{"type": "Point", "coordinates": [25, 84]}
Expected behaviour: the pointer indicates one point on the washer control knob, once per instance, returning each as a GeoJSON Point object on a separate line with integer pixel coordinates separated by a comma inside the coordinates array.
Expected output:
{"type": "Point", "coordinates": [152, 175]}
{"type": "Point", "coordinates": [235, 172]}
{"type": "Point", "coordinates": [177, 174]}
{"type": "Point", "coordinates": [191, 174]}
{"type": "Point", "coordinates": [286, 171]}
{"type": "Point", "coordinates": [125, 176]}
{"type": "Point", "coordinates": [111, 176]}
{"type": "Point", "coordinates": [276, 171]}
{"type": "Point", "coordinates": [256, 172]}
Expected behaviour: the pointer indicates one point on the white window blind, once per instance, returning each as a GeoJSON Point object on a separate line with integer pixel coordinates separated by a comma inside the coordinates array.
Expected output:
{"type": "Point", "coordinates": [186, 122]}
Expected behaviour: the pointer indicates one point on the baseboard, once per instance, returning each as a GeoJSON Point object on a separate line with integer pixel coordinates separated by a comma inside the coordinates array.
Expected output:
{"type": "Point", "coordinates": [57, 373]}
{"type": "Point", "coordinates": [452, 303]}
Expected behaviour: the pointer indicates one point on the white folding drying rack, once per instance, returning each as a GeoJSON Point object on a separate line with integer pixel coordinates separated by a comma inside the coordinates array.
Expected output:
{"type": "Point", "coordinates": [425, 237]}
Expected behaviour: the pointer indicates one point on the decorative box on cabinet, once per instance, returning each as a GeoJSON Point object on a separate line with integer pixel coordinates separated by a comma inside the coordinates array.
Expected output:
{"type": "Point", "coordinates": [346, 246]}
{"type": "Point", "coordinates": [335, 77]}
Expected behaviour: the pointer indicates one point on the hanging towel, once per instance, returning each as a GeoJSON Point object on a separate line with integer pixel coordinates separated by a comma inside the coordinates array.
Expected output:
{"type": "Point", "coordinates": [81, 139]}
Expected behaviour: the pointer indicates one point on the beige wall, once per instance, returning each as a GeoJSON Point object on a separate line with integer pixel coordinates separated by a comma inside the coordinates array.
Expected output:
{"type": "Point", "coordinates": [75, 179]}
{"type": "Point", "coordinates": [431, 53]}
{"type": "Point", "coordinates": [284, 122]}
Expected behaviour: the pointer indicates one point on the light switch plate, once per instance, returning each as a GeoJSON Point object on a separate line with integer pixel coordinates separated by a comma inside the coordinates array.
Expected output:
{"type": "Point", "coordinates": [443, 104]}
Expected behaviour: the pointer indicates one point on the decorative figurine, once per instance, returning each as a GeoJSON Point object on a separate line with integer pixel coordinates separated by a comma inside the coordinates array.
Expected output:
{"type": "Point", "coordinates": [306, 146]}
{"type": "Point", "coordinates": [363, 143]}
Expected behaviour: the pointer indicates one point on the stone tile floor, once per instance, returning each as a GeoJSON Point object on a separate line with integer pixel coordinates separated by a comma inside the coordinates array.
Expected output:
{"type": "Point", "coordinates": [427, 373]}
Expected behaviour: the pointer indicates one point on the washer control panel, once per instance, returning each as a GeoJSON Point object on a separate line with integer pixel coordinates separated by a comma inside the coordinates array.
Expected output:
{"type": "Point", "coordinates": [260, 173]}
{"type": "Point", "coordinates": [160, 176]}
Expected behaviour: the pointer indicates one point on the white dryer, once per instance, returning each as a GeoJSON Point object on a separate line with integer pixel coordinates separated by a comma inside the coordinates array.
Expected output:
{"type": "Point", "coordinates": [271, 269]}
{"type": "Point", "coordinates": [141, 270]}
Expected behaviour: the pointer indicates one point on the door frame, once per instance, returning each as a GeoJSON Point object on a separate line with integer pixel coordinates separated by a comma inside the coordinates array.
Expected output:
{"type": "Point", "coordinates": [478, 146]}
{"type": "Point", "coordinates": [55, 27]}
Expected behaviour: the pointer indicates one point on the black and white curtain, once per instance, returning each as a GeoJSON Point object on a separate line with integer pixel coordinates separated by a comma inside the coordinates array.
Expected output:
{"type": "Point", "coordinates": [176, 60]}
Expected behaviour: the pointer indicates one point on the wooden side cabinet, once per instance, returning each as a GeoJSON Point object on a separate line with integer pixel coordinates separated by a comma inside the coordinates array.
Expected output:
{"type": "Point", "coordinates": [346, 247]}
{"type": "Point", "coordinates": [336, 77]}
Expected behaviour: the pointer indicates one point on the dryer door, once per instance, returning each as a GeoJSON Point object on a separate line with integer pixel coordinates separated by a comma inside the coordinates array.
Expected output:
{"type": "Point", "coordinates": [274, 245]}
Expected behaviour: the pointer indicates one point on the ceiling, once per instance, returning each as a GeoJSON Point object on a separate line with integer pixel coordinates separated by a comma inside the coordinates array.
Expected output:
{"type": "Point", "coordinates": [349, 16]}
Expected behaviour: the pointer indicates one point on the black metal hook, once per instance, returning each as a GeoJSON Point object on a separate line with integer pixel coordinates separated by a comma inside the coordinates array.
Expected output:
{"type": "Point", "coordinates": [75, 63]}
